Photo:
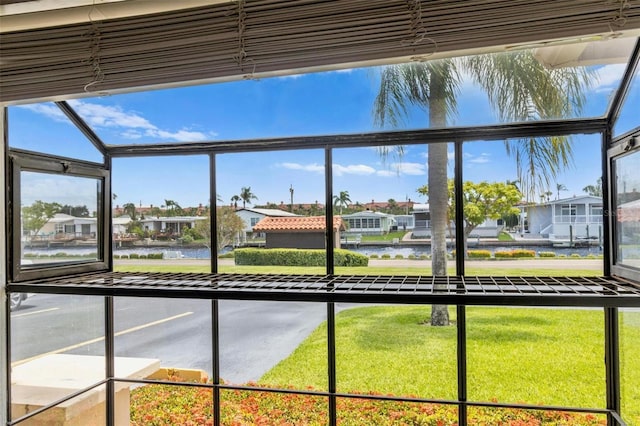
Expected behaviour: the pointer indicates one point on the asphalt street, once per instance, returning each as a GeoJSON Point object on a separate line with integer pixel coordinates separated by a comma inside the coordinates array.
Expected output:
{"type": "Point", "coordinates": [254, 336]}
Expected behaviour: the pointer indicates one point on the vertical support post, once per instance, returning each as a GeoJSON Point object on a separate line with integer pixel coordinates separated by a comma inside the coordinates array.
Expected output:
{"type": "Point", "coordinates": [331, 311]}
{"type": "Point", "coordinates": [461, 312]}
{"type": "Point", "coordinates": [215, 350]}
{"type": "Point", "coordinates": [612, 362]}
{"type": "Point", "coordinates": [459, 213]}
{"type": "Point", "coordinates": [461, 324]}
{"type": "Point", "coordinates": [109, 350]}
{"type": "Point", "coordinates": [331, 361]}
{"type": "Point", "coordinates": [607, 204]}
{"type": "Point", "coordinates": [5, 355]}
{"type": "Point", "coordinates": [215, 309]}
{"type": "Point", "coordinates": [328, 190]}
{"type": "Point", "coordinates": [213, 214]}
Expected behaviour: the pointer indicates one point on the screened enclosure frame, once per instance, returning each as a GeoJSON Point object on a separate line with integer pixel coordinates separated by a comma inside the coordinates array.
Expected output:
{"type": "Point", "coordinates": [101, 281]}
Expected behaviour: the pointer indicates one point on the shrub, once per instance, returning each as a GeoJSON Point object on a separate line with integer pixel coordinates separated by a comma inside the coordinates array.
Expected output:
{"type": "Point", "coordinates": [134, 256]}
{"type": "Point", "coordinates": [163, 404]}
{"type": "Point", "coordinates": [386, 256]}
{"type": "Point", "coordinates": [116, 256]}
{"type": "Point", "coordinates": [187, 239]}
{"type": "Point", "coordinates": [227, 255]}
{"type": "Point", "coordinates": [575, 256]}
{"type": "Point", "coordinates": [30, 255]}
{"type": "Point", "coordinates": [562, 256]}
{"type": "Point", "coordinates": [503, 254]}
{"type": "Point", "coordinates": [297, 257]}
{"type": "Point", "coordinates": [411, 256]}
{"type": "Point", "coordinates": [547, 254]}
{"type": "Point", "coordinates": [523, 253]}
{"type": "Point", "coordinates": [374, 256]}
{"type": "Point", "coordinates": [479, 254]}
{"type": "Point", "coordinates": [60, 254]}
{"type": "Point", "coordinates": [124, 256]}
{"type": "Point", "coordinates": [143, 256]}
{"type": "Point", "coordinates": [155, 256]}
{"type": "Point", "coordinates": [424, 257]}
{"type": "Point", "coordinates": [512, 254]}
{"type": "Point", "coordinates": [399, 256]}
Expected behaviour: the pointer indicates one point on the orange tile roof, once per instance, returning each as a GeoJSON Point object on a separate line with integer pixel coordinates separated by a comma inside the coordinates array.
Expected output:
{"type": "Point", "coordinates": [296, 224]}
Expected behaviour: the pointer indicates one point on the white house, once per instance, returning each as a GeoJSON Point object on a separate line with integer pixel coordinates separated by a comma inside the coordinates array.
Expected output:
{"type": "Point", "coordinates": [120, 224]}
{"type": "Point", "coordinates": [62, 225]}
{"type": "Point", "coordinates": [170, 225]}
{"type": "Point", "coordinates": [490, 228]}
{"type": "Point", "coordinates": [563, 219]}
{"type": "Point", "coordinates": [251, 216]}
{"type": "Point", "coordinates": [369, 222]}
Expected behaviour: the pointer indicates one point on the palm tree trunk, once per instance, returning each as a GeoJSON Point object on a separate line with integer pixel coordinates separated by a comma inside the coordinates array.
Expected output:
{"type": "Point", "coordinates": [438, 195]}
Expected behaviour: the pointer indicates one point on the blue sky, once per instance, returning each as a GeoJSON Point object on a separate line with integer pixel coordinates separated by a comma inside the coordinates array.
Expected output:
{"type": "Point", "coordinates": [313, 104]}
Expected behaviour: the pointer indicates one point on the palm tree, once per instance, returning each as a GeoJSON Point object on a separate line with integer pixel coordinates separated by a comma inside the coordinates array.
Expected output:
{"type": "Point", "coordinates": [560, 187]}
{"type": "Point", "coordinates": [548, 195]}
{"type": "Point", "coordinates": [235, 200]}
{"type": "Point", "coordinates": [130, 209]}
{"type": "Point", "coordinates": [594, 190]}
{"type": "Point", "coordinates": [246, 196]}
{"type": "Point", "coordinates": [519, 88]}
{"type": "Point", "coordinates": [341, 200]}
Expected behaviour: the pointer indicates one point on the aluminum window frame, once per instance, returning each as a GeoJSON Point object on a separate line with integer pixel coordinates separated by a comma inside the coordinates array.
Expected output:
{"type": "Point", "coordinates": [19, 161]}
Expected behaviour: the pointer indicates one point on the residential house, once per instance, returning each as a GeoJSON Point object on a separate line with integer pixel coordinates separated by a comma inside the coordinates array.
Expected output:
{"type": "Point", "coordinates": [369, 222]}
{"type": "Point", "coordinates": [490, 228]}
{"type": "Point", "coordinates": [564, 219]}
{"type": "Point", "coordinates": [303, 232]}
{"type": "Point", "coordinates": [251, 216]}
{"type": "Point", "coordinates": [169, 226]}
{"type": "Point", "coordinates": [64, 226]}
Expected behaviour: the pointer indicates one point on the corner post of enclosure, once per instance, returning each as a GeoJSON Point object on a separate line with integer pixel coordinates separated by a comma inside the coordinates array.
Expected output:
{"type": "Point", "coordinates": [4, 330]}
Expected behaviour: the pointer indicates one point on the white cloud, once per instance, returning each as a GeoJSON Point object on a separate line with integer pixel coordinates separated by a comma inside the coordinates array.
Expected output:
{"type": "Point", "coordinates": [609, 77]}
{"type": "Point", "coordinates": [314, 167]}
{"type": "Point", "coordinates": [48, 110]}
{"type": "Point", "coordinates": [110, 116]}
{"type": "Point", "coordinates": [413, 169]}
{"type": "Point", "coordinates": [182, 135]}
{"type": "Point", "coordinates": [130, 124]}
{"type": "Point", "coordinates": [353, 169]}
{"type": "Point", "coordinates": [481, 159]}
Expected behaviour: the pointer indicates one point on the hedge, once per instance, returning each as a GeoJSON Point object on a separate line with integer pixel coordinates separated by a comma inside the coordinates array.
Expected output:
{"type": "Point", "coordinates": [514, 254]}
{"type": "Point", "coordinates": [297, 257]}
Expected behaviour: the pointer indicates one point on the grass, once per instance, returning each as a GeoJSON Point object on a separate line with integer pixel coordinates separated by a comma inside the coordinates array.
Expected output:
{"type": "Point", "coordinates": [537, 356]}
{"type": "Point", "coordinates": [498, 269]}
{"type": "Point", "coordinates": [503, 236]}
{"type": "Point", "coordinates": [386, 237]}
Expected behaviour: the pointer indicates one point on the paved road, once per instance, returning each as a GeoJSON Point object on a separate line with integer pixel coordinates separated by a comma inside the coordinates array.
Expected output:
{"type": "Point", "coordinates": [254, 336]}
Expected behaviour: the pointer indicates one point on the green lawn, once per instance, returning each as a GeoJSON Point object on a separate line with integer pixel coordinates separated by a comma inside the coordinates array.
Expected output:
{"type": "Point", "coordinates": [538, 356]}
{"type": "Point", "coordinates": [495, 268]}
{"type": "Point", "coordinates": [547, 356]}
{"type": "Point", "coordinates": [386, 237]}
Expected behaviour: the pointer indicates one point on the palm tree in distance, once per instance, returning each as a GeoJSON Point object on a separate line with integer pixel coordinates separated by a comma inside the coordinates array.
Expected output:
{"type": "Point", "coordinates": [519, 88]}
{"type": "Point", "coordinates": [235, 200]}
{"type": "Point", "coordinates": [246, 195]}
{"type": "Point", "coordinates": [341, 200]}
{"type": "Point", "coordinates": [560, 187]}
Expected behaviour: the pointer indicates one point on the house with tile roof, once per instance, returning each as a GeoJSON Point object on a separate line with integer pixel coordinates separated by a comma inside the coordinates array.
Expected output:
{"type": "Point", "coordinates": [251, 216]}
{"type": "Point", "coordinates": [304, 232]}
